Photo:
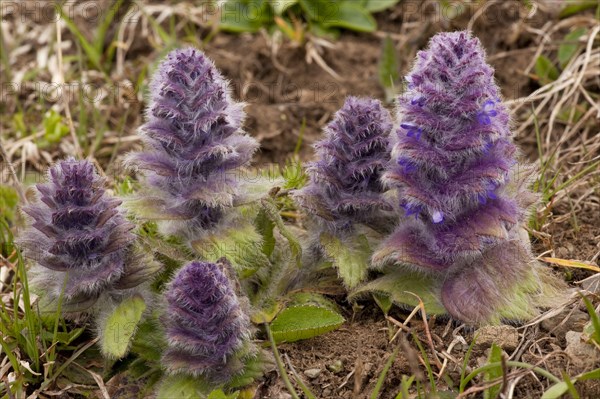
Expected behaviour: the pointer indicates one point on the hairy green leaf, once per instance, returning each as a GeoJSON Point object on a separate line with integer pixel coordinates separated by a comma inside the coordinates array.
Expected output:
{"type": "Point", "coordinates": [303, 322]}
{"type": "Point", "coordinates": [400, 285]}
{"type": "Point", "coordinates": [351, 257]}
{"type": "Point", "coordinates": [120, 327]}
{"type": "Point", "coordinates": [379, 5]}
{"type": "Point", "coordinates": [183, 387]}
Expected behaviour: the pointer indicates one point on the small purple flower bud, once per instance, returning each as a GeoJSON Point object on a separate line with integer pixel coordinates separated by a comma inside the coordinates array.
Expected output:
{"type": "Point", "coordinates": [345, 183]}
{"type": "Point", "coordinates": [408, 166]}
{"type": "Point", "coordinates": [418, 101]}
{"type": "Point", "coordinates": [437, 217]}
{"type": "Point", "coordinates": [412, 130]}
{"type": "Point", "coordinates": [78, 232]}
{"type": "Point", "coordinates": [412, 210]}
{"type": "Point", "coordinates": [204, 322]}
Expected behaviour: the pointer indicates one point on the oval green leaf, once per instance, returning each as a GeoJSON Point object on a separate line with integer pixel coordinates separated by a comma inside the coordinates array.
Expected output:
{"type": "Point", "coordinates": [303, 322]}
{"type": "Point", "coordinates": [121, 326]}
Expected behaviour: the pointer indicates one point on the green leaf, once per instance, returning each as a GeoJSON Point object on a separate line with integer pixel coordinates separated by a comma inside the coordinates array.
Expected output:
{"type": "Point", "coordinates": [350, 15]}
{"type": "Point", "coordinates": [279, 6]}
{"type": "Point", "coordinates": [303, 322]}
{"type": "Point", "coordinates": [149, 340]}
{"type": "Point", "coordinates": [383, 301]}
{"type": "Point", "coordinates": [574, 7]}
{"type": "Point", "coordinates": [312, 299]}
{"type": "Point", "coordinates": [389, 68]}
{"type": "Point", "coordinates": [241, 245]}
{"type": "Point", "coordinates": [399, 285]}
{"type": "Point", "coordinates": [241, 16]}
{"type": "Point", "coordinates": [593, 318]}
{"type": "Point", "coordinates": [183, 387]}
{"type": "Point", "coordinates": [569, 46]}
{"type": "Point", "coordinates": [319, 10]}
{"type": "Point", "coordinates": [267, 313]}
{"type": "Point", "coordinates": [545, 70]}
{"type": "Point", "coordinates": [496, 372]}
{"type": "Point", "coordinates": [327, 33]}
{"type": "Point", "coordinates": [271, 211]}
{"type": "Point", "coordinates": [8, 203]}
{"type": "Point", "coordinates": [265, 227]}
{"type": "Point", "coordinates": [556, 391]}
{"type": "Point", "coordinates": [254, 369]}
{"type": "Point", "coordinates": [219, 394]}
{"type": "Point", "coordinates": [379, 5]}
{"type": "Point", "coordinates": [91, 52]}
{"type": "Point", "coordinates": [120, 327]}
{"type": "Point", "coordinates": [351, 257]}
{"type": "Point", "coordinates": [590, 375]}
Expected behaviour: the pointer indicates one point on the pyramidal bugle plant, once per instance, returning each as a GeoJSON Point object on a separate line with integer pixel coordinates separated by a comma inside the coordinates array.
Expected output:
{"type": "Point", "coordinates": [207, 328]}
{"type": "Point", "coordinates": [194, 147]}
{"type": "Point", "coordinates": [464, 196]}
{"type": "Point", "coordinates": [86, 260]}
{"type": "Point", "coordinates": [345, 192]}
{"type": "Point", "coordinates": [78, 237]}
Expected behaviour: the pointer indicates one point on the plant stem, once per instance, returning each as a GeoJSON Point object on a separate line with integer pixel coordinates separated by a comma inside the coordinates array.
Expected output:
{"type": "Point", "coordinates": [280, 365]}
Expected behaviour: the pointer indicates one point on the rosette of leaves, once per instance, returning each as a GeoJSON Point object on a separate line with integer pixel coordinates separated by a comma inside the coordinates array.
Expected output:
{"type": "Point", "coordinates": [208, 330]}
{"type": "Point", "coordinates": [194, 147]}
{"type": "Point", "coordinates": [345, 194]}
{"type": "Point", "coordinates": [464, 196]}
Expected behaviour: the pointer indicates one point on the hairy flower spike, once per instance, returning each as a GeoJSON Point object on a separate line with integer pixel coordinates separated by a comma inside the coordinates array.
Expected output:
{"type": "Point", "coordinates": [77, 232]}
{"type": "Point", "coordinates": [453, 169]}
{"type": "Point", "coordinates": [345, 180]}
{"type": "Point", "coordinates": [205, 325]}
{"type": "Point", "coordinates": [194, 143]}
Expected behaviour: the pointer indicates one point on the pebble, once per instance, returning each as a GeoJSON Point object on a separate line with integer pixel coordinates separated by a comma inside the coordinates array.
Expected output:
{"type": "Point", "coordinates": [506, 337]}
{"type": "Point", "coordinates": [582, 354]}
{"type": "Point", "coordinates": [312, 373]}
{"type": "Point", "coordinates": [335, 367]}
{"type": "Point", "coordinates": [576, 319]}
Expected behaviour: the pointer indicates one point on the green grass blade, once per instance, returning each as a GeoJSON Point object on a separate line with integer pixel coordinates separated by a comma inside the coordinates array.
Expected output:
{"type": "Point", "coordinates": [91, 52]}
{"type": "Point", "coordinates": [384, 372]}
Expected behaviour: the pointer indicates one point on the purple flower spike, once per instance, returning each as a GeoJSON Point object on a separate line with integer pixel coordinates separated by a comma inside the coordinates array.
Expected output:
{"type": "Point", "coordinates": [194, 143]}
{"type": "Point", "coordinates": [461, 176]}
{"type": "Point", "coordinates": [345, 183]}
{"type": "Point", "coordinates": [205, 326]}
{"type": "Point", "coordinates": [77, 232]}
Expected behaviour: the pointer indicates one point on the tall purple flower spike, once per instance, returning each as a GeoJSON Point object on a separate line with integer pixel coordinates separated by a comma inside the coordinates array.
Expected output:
{"type": "Point", "coordinates": [77, 232]}
{"type": "Point", "coordinates": [452, 166]}
{"type": "Point", "coordinates": [194, 143]}
{"type": "Point", "coordinates": [345, 185]}
{"type": "Point", "coordinates": [205, 325]}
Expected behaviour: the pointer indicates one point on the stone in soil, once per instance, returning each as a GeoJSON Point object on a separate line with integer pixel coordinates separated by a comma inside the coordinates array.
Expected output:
{"type": "Point", "coordinates": [506, 337]}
